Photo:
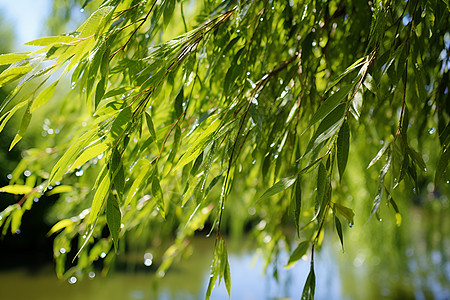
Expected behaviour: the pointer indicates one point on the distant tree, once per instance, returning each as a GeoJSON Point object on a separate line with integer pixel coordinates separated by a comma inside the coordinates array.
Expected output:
{"type": "Point", "coordinates": [178, 115]}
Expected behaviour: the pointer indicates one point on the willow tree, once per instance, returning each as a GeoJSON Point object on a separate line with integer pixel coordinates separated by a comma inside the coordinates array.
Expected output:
{"type": "Point", "coordinates": [180, 115]}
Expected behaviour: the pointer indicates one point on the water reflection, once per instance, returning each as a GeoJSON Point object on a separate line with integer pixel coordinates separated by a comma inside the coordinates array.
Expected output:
{"type": "Point", "coordinates": [381, 261]}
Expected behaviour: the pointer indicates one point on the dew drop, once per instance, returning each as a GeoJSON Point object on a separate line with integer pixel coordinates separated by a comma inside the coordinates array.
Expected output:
{"type": "Point", "coordinates": [82, 10]}
{"type": "Point", "coordinates": [18, 231]}
{"type": "Point", "coordinates": [103, 255]}
{"type": "Point", "coordinates": [432, 130]}
{"type": "Point", "coordinates": [27, 173]}
{"type": "Point", "coordinates": [351, 225]}
{"type": "Point", "coordinates": [9, 176]}
{"type": "Point", "coordinates": [36, 200]}
{"type": "Point", "coordinates": [62, 250]}
{"type": "Point", "coordinates": [72, 280]}
{"type": "Point", "coordinates": [79, 173]}
{"type": "Point", "coordinates": [91, 275]}
{"type": "Point", "coordinates": [72, 85]}
{"type": "Point", "coordinates": [148, 262]}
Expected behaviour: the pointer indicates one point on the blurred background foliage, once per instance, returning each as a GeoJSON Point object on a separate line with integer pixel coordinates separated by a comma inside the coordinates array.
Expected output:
{"type": "Point", "coordinates": [262, 71]}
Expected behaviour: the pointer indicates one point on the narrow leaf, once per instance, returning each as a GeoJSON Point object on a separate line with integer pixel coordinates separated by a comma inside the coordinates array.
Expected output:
{"type": "Point", "coordinates": [6, 59]}
{"type": "Point", "coordinates": [16, 189]}
{"type": "Point", "coordinates": [114, 219]}
{"type": "Point", "coordinates": [379, 154]}
{"type": "Point", "coordinates": [89, 154]}
{"type": "Point", "coordinates": [51, 40]}
{"type": "Point", "coordinates": [343, 145]}
{"type": "Point", "coordinates": [99, 198]}
{"type": "Point", "coordinates": [345, 212]}
{"type": "Point", "coordinates": [339, 231]}
{"type": "Point", "coordinates": [44, 96]}
{"type": "Point", "coordinates": [11, 74]}
{"type": "Point", "coordinates": [278, 187]}
{"type": "Point", "coordinates": [329, 125]}
{"type": "Point", "coordinates": [199, 144]}
{"type": "Point", "coordinates": [329, 105]}
{"type": "Point", "coordinates": [297, 254]}
{"type": "Point", "coordinates": [298, 202]}
{"type": "Point", "coordinates": [310, 286]}
{"type": "Point", "coordinates": [442, 166]}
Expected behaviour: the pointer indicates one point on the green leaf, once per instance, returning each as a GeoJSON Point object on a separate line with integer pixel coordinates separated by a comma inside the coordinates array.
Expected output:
{"type": "Point", "coordinates": [12, 74]}
{"type": "Point", "coordinates": [114, 219]}
{"type": "Point", "coordinates": [60, 189]}
{"type": "Point", "coordinates": [329, 125]}
{"type": "Point", "coordinates": [51, 40]}
{"type": "Point", "coordinates": [351, 68]}
{"type": "Point", "coordinates": [150, 126]}
{"type": "Point", "coordinates": [16, 219]}
{"type": "Point", "coordinates": [6, 59]}
{"type": "Point", "coordinates": [343, 145]}
{"type": "Point", "coordinates": [16, 189]}
{"type": "Point", "coordinates": [321, 187]}
{"type": "Point", "coordinates": [345, 212]}
{"type": "Point", "coordinates": [442, 166]}
{"type": "Point", "coordinates": [158, 194]}
{"type": "Point", "coordinates": [99, 197]}
{"type": "Point", "coordinates": [199, 144]}
{"type": "Point", "coordinates": [120, 123]}
{"type": "Point", "coordinates": [379, 196]}
{"type": "Point", "coordinates": [89, 154]}
{"type": "Point", "coordinates": [44, 96]}
{"type": "Point", "coordinates": [298, 202]}
{"type": "Point", "coordinates": [95, 23]}
{"type": "Point", "coordinates": [310, 286]}
{"type": "Point", "coordinates": [329, 105]}
{"type": "Point", "coordinates": [297, 254]}
{"type": "Point", "coordinates": [23, 127]}
{"type": "Point", "coordinates": [278, 187]}
{"type": "Point", "coordinates": [61, 167]}
{"type": "Point", "coordinates": [141, 168]}
{"type": "Point", "coordinates": [5, 118]}
{"type": "Point", "coordinates": [417, 157]}
{"type": "Point", "coordinates": [379, 154]}
{"type": "Point", "coordinates": [338, 225]}
{"type": "Point", "coordinates": [60, 225]}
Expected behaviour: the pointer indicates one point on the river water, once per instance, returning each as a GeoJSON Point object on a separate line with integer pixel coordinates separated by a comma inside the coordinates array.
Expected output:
{"type": "Point", "coordinates": [381, 261]}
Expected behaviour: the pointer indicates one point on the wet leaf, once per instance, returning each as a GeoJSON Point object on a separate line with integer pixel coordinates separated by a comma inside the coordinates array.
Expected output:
{"type": "Point", "coordinates": [199, 144]}
{"type": "Point", "coordinates": [89, 154]}
{"type": "Point", "coordinates": [310, 286]}
{"type": "Point", "coordinates": [12, 74]}
{"type": "Point", "coordinates": [345, 212]}
{"type": "Point", "coordinates": [6, 59]}
{"type": "Point", "coordinates": [442, 166]}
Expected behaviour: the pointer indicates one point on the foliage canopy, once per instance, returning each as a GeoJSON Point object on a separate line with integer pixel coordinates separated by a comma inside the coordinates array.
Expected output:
{"type": "Point", "coordinates": [178, 115]}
